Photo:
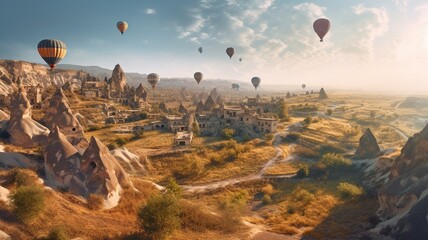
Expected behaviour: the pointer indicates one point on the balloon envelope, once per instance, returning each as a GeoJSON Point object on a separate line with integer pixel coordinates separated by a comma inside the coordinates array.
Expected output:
{"type": "Point", "coordinates": [321, 27]}
{"type": "Point", "coordinates": [153, 79]}
{"type": "Point", "coordinates": [303, 86]}
{"type": "Point", "coordinates": [230, 51]}
{"type": "Point", "coordinates": [200, 49]}
{"type": "Point", "coordinates": [240, 59]}
{"type": "Point", "coordinates": [52, 51]}
{"type": "Point", "coordinates": [256, 81]}
{"type": "Point", "coordinates": [122, 26]}
{"type": "Point", "coordinates": [235, 86]}
{"type": "Point", "coordinates": [198, 76]}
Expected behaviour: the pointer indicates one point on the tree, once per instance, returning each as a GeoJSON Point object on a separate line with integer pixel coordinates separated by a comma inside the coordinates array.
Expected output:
{"type": "Point", "coordinates": [160, 216]}
{"type": "Point", "coordinates": [174, 188]}
{"type": "Point", "coordinates": [28, 202]}
{"type": "Point", "coordinates": [283, 111]}
{"type": "Point", "coordinates": [195, 128]}
{"type": "Point", "coordinates": [227, 133]}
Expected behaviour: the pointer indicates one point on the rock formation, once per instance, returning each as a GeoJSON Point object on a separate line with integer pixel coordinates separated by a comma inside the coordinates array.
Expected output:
{"type": "Point", "coordinates": [4, 116]}
{"type": "Point", "coordinates": [219, 100]}
{"type": "Point", "coordinates": [307, 92]}
{"type": "Point", "coordinates": [214, 94]}
{"type": "Point", "coordinates": [163, 107]}
{"type": "Point", "coordinates": [209, 104]}
{"type": "Point", "coordinates": [118, 80]}
{"type": "Point", "coordinates": [182, 109]}
{"type": "Point", "coordinates": [141, 92]}
{"type": "Point", "coordinates": [404, 198]}
{"type": "Point", "coordinates": [23, 130]}
{"type": "Point", "coordinates": [200, 107]}
{"type": "Point", "coordinates": [323, 95]}
{"type": "Point", "coordinates": [130, 161]}
{"type": "Point", "coordinates": [104, 175]}
{"type": "Point", "coordinates": [59, 114]}
{"type": "Point", "coordinates": [62, 164]}
{"type": "Point", "coordinates": [288, 95]}
{"type": "Point", "coordinates": [368, 147]}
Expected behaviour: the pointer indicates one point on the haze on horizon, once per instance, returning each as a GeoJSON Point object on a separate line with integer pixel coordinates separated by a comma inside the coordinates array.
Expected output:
{"type": "Point", "coordinates": [372, 45]}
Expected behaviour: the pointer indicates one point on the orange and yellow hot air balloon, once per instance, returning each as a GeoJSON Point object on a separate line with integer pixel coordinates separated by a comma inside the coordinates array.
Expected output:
{"type": "Point", "coordinates": [52, 51]}
{"type": "Point", "coordinates": [122, 26]}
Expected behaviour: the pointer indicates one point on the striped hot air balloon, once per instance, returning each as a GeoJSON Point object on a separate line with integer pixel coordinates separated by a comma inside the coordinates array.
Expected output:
{"type": "Point", "coordinates": [122, 26]}
{"type": "Point", "coordinates": [153, 79]}
{"type": "Point", "coordinates": [52, 51]}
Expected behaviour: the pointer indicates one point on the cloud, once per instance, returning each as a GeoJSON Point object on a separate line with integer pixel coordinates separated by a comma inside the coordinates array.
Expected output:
{"type": "Point", "coordinates": [312, 10]}
{"type": "Point", "coordinates": [402, 4]}
{"type": "Point", "coordinates": [150, 11]}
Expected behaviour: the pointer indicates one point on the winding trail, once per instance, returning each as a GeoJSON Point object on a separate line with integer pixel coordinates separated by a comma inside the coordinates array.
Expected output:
{"type": "Point", "coordinates": [260, 175]}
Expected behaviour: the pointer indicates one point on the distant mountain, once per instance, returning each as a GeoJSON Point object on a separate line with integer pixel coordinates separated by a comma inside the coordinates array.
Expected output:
{"type": "Point", "coordinates": [134, 79]}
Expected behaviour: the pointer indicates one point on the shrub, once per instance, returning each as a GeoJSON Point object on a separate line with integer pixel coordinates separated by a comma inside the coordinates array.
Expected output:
{"type": "Point", "coordinates": [335, 161]}
{"type": "Point", "coordinates": [57, 233]}
{"type": "Point", "coordinates": [268, 189]}
{"type": "Point", "coordinates": [291, 137]}
{"type": "Point", "coordinates": [196, 218]}
{"type": "Point", "coordinates": [269, 138]}
{"type": "Point", "coordinates": [174, 188]}
{"type": "Point", "coordinates": [160, 216]}
{"type": "Point", "coordinates": [112, 146]}
{"type": "Point", "coordinates": [266, 199]}
{"type": "Point", "coordinates": [95, 202]}
{"type": "Point", "coordinates": [192, 166]}
{"type": "Point", "coordinates": [348, 190]}
{"type": "Point", "coordinates": [28, 202]}
{"type": "Point", "coordinates": [302, 172]}
{"type": "Point", "coordinates": [93, 128]}
{"type": "Point", "coordinates": [307, 120]}
{"type": "Point", "coordinates": [120, 141]}
{"type": "Point", "coordinates": [329, 112]}
{"type": "Point", "coordinates": [23, 178]}
{"type": "Point", "coordinates": [235, 201]}
{"type": "Point", "coordinates": [227, 133]}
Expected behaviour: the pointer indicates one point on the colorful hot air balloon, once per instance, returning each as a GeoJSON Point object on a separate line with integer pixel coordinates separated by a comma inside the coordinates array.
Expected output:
{"type": "Point", "coordinates": [200, 50]}
{"type": "Point", "coordinates": [303, 86]}
{"type": "Point", "coordinates": [321, 27]}
{"type": "Point", "coordinates": [230, 51]}
{"type": "Point", "coordinates": [153, 79]}
{"type": "Point", "coordinates": [52, 51]}
{"type": "Point", "coordinates": [122, 26]}
{"type": "Point", "coordinates": [256, 81]}
{"type": "Point", "coordinates": [198, 76]}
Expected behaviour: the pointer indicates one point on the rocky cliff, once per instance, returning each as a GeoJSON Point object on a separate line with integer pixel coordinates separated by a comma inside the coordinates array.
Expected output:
{"type": "Point", "coordinates": [404, 198]}
{"type": "Point", "coordinates": [32, 74]}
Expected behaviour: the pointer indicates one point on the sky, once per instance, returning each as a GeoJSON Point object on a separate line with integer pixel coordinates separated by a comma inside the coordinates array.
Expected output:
{"type": "Point", "coordinates": [374, 45]}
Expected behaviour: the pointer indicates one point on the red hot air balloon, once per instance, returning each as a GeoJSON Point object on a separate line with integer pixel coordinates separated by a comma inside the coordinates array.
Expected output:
{"type": "Point", "coordinates": [230, 51]}
{"type": "Point", "coordinates": [321, 27]}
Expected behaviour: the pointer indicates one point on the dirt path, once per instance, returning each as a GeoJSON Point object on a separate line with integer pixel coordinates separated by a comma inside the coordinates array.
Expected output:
{"type": "Point", "coordinates": [260, 175]}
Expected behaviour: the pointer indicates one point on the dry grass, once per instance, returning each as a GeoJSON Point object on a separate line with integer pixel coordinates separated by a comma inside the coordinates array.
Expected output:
{"type": "Point", "coordinates": [282, 169]}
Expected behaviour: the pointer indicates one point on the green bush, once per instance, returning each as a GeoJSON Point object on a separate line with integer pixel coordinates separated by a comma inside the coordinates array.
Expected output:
{"type": "Point", "coordinates": [302, 172]}
{"type": "Point", "coordinates": [58, 233]}
{"type": "Point", "coordinates": [335, 161]}
{"type": "Point", "coordinates": [173, 187]}
{"type": "Point", "coordinates": [23, 178]}
{"type": "Point", "coordinates": [291, 137]}
{"type": "Point", "coordinates": [28, 202]}
{"type": "Point", "coordinates": [160, 217]}
{"type": "Point", "coordinates": [227, 133]}
{"type": "Point", "coordinates": [349, 191]}
{"type": "Point", "coordinates": [95, 201]}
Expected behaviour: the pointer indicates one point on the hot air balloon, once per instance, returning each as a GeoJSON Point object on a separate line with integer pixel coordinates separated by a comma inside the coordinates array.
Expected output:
{"type": "Point", "coordinates": [122, 26]}
{"type": "Point", "coordinates": [230, 51]}
{"type": "Point", "coordinates": [303, 86]}
{"type": "Point", "coordinates": [256, 81]}
{"type": "Point", "coordinates": [198, 76]}
{"type": "Point", "coordinates": [240, 59]}
{"type": "Point", "coordinates": [153, 79]}
{"type": "Point", "coordinates": [52, 51]}
{"type": "Point", "coordinates": [200, 50]}
{"type": "Point", "coordinates": [235, 86]}
{"type": "Point", "coordinates": [321, 27]}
